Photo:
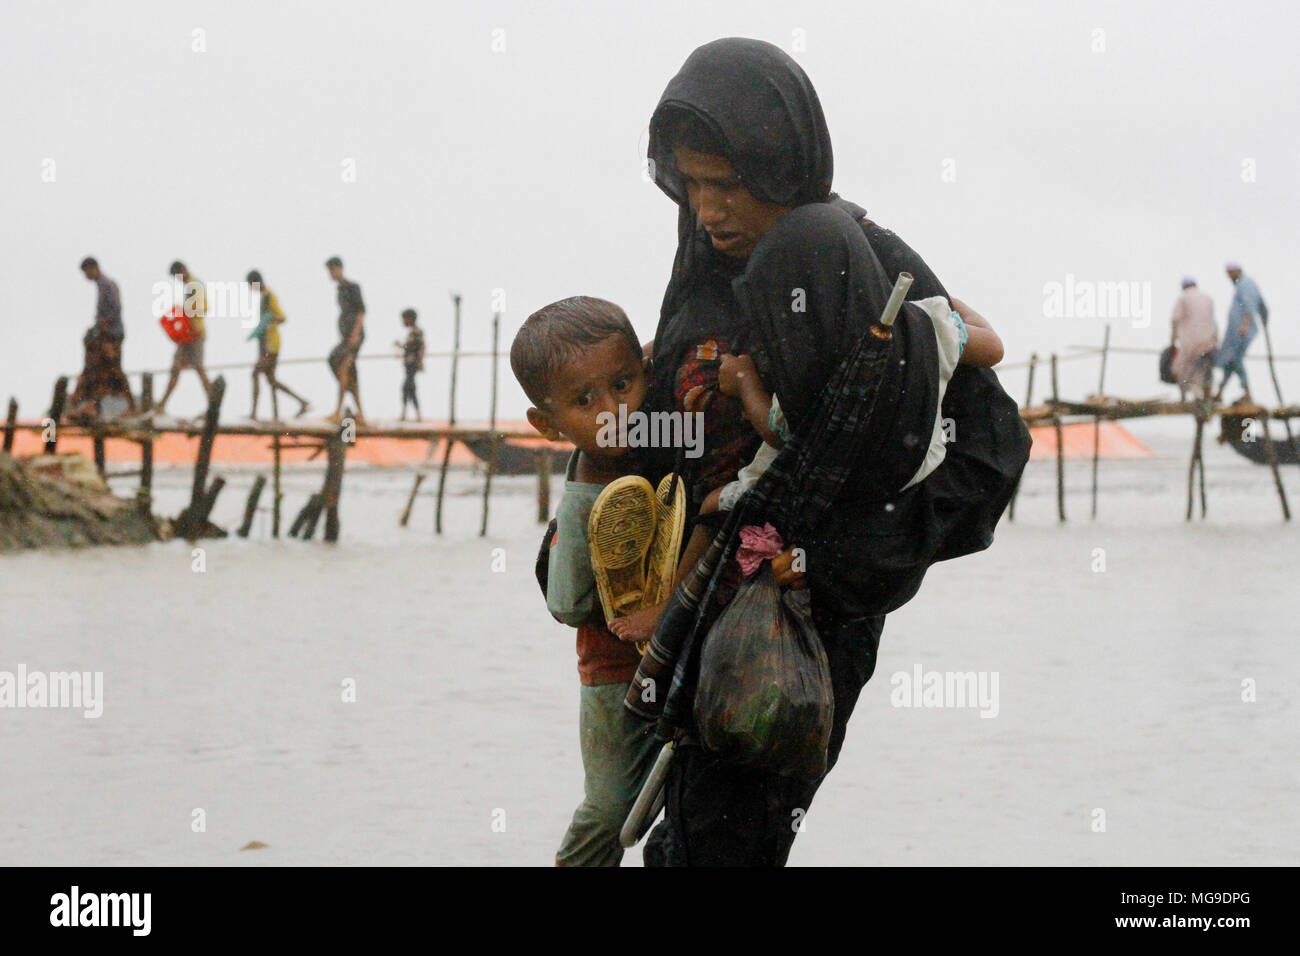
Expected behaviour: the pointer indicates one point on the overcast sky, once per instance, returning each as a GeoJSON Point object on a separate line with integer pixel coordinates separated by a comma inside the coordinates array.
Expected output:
{"type": "Point", "coordinates": [499, 146]}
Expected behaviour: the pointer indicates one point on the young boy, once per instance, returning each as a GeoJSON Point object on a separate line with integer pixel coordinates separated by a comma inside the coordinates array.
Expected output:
{"type": "Point", "coordinates": [412, 361]}
{"type": "Point", "coordinates": [267, 334]}
{"type": "Point", "coordinates": [575, 359]}
{"type": "Point", "coordinates": [189, 355]}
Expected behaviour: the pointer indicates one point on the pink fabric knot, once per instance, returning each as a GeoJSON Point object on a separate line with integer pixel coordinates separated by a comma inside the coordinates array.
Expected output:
{"type": "Point", "coordinates": [756, 546]}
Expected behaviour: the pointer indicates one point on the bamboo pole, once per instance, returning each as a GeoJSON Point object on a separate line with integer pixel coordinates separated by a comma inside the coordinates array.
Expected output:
{"type": "Point", "coordinates": [1277, 389]}
{"type": "Point", "coordinates": [10, 420]}
{"type": "Point", "coordinates": [451, 417]}
{"type": "Point", "coordinates": [97, 446]}
{"type": "Point", "coordinates": [1191, 466]}
{"type": "Point", "coordinates": [189, 520]}
{"type": "Point", "coordinates": [1029, 400]}
{"type": "Point", "coordinates": [492, 424]}
{"type": "Point", "coordinates": [333, 488]}
{"type": "Point", "coordinates": [1200, 468]}
{"type": "Point", "coordinates": [296, 528]}
{"type": "Point", "coordinates": [57, 403]}
{"type": "Point", "coordinates": [1060, 446]}
{"type": "Point", "coordinates": [144, 496]}
{"type": "Point", "coordinates": [314, 507]}
{"type": "Point", "coordinates": [250, 507]}
{"type": "Point", "coordinates": [277, 493]}
{"type": "Point", "coordinates": [1271, 453]}
{"type": "Point", "coordinates": [207, 439]}
{"type": "Point", "coordinates": [410, 501]}
{"type": "Point", "coordinates": [1096, 422]}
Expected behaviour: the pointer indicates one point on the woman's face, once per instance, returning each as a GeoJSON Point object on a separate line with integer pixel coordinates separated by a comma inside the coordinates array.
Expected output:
{"type": "Point", "coordinates": [732, 216]}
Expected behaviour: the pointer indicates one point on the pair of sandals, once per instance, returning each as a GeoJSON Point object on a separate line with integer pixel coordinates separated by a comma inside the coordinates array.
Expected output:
{"type": "Point", "coordinates": [635, 536]}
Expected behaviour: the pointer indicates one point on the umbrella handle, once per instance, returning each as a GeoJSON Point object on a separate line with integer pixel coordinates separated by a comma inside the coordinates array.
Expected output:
{"type": "Point", "coordinates": [649, 801]}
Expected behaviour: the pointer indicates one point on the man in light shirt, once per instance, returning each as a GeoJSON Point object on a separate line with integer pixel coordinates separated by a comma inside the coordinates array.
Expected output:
{"type": "Point", "coordinates": [1194, 336]}
{"type": "Point", "coordinates": [1244, 319]}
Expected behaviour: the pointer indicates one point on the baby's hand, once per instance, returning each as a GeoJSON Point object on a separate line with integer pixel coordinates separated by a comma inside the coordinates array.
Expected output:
{"type": "Point", "coordinates": [638, 626]}
{"type": "Point", "coordinates": [697, 399]}
{"type": "Point", "coordinates": [732, 371]}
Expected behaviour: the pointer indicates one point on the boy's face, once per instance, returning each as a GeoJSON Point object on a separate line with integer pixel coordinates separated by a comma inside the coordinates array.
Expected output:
{"type": "Point", "coordinates": [408, 320]}
{"type": "Point", "coordinates": [336, 272]}
{"type": "Point", "coordinates": [600, 379]}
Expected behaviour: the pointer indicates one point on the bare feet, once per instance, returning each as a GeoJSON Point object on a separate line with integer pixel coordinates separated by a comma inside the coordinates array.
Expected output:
{"type": "Point", "coordinates": [638, 626]}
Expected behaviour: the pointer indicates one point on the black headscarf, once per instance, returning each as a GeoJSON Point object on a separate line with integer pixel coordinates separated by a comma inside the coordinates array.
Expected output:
{"type": "Point", "coordinates": [757, 101]}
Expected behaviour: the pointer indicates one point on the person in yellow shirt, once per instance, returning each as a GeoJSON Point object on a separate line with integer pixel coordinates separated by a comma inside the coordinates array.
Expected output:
{"type": "Point", "coordinates": [189, 355]}
{"type": "Point", "coordinates": [267, 334]}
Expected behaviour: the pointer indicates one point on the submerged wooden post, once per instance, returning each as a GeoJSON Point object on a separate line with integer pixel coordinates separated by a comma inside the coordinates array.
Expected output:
{"type": "Point", "coordinates": [1096, 423]}
{"type": "Point", "coordinates": [1029, 400]}
{"type": "Point", "coordinates": [492, 425]}
{"type": "Point", "coordinates": [144, 496]}
{"type": "Point", "coordinates": [1277, 390]}
{"type": "Point", "coordinates": [59, 400]}
{"type": "Point", "coordinates": [1271, 453]}
{"type": "Point", "coordinates": [191, 519]}
{"type": "Point", "coordinates": [299, 522]}
{"type": "Point", "coordinates": [336, 456]}
{"type": "Point", "coordinates": [11, 421]}
{"type": "Point", "coordinates": [207, 439]}
{"type": "Point", "coordinates": [451, 418]}
{"type": "Point", "coordinates": [410, 501]}
{"type": "Point", "coordinates": [277, 495]}
{"type": "Point", "coordinates": [101, 460]}
{"type": "Point", "coordinates": [543, 485]}
{"type": "Point", "coordinates": [1191, 467]}
{"type": "Point", "coordinates": [312, 515]}
{"type": "Point", "coordinates": [250, 506]}
{"type": "Point", "coordinates": [1060, 445]}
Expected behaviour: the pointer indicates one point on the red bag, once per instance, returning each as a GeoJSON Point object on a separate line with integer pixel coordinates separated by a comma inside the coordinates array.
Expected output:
{"type": "Point", "coordinates": [178, 326]}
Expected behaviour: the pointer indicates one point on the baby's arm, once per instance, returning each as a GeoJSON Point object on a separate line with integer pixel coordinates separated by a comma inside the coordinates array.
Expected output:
{"type": "Point", "coordinates": [738, 377]}
{"type": "Point", "coordinates": [983, 346]}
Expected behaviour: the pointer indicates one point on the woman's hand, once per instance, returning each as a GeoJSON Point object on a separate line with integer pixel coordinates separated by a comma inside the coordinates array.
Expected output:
{"type": "Point", "coordinates": [782, 568]}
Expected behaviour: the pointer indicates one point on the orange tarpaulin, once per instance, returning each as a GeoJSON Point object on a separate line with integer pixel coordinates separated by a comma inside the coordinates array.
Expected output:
{"type": "Point", "coordinates": [1116, 441]}
{"type": "Point", "coordinates": [174, 449]}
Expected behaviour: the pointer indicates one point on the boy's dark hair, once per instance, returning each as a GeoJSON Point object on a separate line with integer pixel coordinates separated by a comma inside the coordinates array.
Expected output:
{"type": "Point", "coordinates": [408, 314]}
{"type": "Point", "coordinates": [177, 268]}
{"type": "Point", "coordinates": [253, 277]}
{"type": "Point", "coordinates": [333, 261]}
{"type": "Point", "coordinates": [89, 263]}
{"type": "Point", "coordinates": [554, 334]}
{"type": "Point", "coordinates": [680, 127]}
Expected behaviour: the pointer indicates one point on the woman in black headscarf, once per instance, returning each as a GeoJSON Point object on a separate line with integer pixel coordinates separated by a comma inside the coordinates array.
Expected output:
{"type": "Point", "coordinates": [771, 263]}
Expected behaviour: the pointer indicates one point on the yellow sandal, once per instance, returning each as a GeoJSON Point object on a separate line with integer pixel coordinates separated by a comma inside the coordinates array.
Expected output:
{"type": "Point", "coordinates": [620, 533]}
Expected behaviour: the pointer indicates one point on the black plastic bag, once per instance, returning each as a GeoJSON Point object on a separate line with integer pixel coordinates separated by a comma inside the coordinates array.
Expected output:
{"type": "Point", "coordinates": [764, 697]}
{"type": "Point", "coordinates": [1167, 365]}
